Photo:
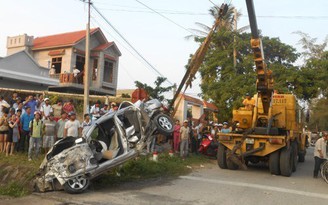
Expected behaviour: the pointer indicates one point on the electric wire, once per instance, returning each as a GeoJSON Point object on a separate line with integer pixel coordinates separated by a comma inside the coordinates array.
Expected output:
{"type": "Point", "coordinates": [120, 43]}
{"type": "Point", "coordinates": [165, 17]}
{"type": "Point", "coordinates": [128, 43]}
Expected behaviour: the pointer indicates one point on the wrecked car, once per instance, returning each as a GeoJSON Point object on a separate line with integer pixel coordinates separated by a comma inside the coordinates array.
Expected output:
{"type": "Point", "coordinates": [110, 141]}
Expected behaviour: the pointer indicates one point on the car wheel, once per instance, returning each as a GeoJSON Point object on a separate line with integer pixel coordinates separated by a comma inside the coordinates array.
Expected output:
{"type": "Point", "coordinates": [164, 124]}
{"type": "Point", "coordinates": [77, 184]}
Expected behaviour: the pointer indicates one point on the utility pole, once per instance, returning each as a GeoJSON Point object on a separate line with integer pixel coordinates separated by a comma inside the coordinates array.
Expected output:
{"type": "Point", "coordinates": [234, 38]}
{"type": "Point", "coordinates": [87, 65]}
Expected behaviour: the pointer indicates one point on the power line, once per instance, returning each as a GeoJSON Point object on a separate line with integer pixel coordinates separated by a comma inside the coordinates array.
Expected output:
{"type": "Point", "coordinates": [127, 42]}
{"type": "Point", "coordinates": [165, 17]}
{"type": "Point", "coordinates": [121, 44]}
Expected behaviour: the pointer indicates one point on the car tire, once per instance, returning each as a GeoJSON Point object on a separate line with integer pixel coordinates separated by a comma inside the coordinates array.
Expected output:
{"type": "Point", "coordinates": [274, 163]}
{"type": "Point", "coordinates": [222, 156]}
{"type": "Point", "coordinates": [77, 185]}
{"type": "Point", "coordinates": [164, 124]}
{"type": "Point", "coordinates": [286, 161]}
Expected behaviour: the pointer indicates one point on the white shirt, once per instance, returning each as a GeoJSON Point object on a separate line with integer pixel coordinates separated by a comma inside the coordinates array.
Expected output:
{"type": "Point", "coordinates": [3, 103]}
{"type": "Point", "coordinates": [76, 71]}
{"type": "Point", "coordinates": [72, 128]}
{"type": "Point", "coordinates": [46, 109]}
{"type": "Point", "coordinates": [320, 145]}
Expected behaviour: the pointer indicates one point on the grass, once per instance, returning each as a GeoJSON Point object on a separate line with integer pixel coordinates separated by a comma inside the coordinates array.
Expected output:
{"type": "Point", "coordinates": [141, 168]}
{"type": "Point", "coordinates": [16, 174]}
{"type": "Point", "coordinates": [144, 168]}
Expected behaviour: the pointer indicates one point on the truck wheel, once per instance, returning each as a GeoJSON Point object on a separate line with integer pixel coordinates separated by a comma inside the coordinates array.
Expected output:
{"type": "Point", "coordinates": [286, 161]}
{"type": "Point", "coordinates": [295, 155]}
{"type": "Point", "coordinates": [231, 165]}
{"type": "Point", "coordinates": [274, 163]}
{"type": "Point", "coordinates": [77, 184]}
{"type": "Point", "coordinates": [222, 156]}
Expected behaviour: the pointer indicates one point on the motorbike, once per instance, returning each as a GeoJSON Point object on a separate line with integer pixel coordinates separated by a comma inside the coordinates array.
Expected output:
{"type": "Point", "coordinates": [72, 162]}
{"type": "Point", "coordinates": [208, 146]}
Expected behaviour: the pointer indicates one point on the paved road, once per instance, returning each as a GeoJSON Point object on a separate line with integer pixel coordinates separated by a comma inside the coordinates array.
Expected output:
{"type": "Point", "coordinates": [207, 185]}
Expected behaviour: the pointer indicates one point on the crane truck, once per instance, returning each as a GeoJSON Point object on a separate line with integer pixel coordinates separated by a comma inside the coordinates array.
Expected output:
{"type": "Point", "coordinates": [272, 130]}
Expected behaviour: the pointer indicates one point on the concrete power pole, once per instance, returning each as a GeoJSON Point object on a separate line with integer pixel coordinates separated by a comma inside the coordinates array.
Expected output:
{"type": "Point", "coordinates": [87, 65]}
{"type": "Point", "coordinates": [234, 38]}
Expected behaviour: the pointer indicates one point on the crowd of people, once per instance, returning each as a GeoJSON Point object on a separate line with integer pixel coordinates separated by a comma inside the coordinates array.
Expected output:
{"type": "Point", "coordinates": [189, 135]}
{"type": "Point", "coordinates": [32, 123]}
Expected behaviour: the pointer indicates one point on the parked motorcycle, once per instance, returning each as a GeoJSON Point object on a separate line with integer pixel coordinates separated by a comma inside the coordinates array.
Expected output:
{"type": "Point", "coordinates": [208, 146]}
{"type": "Point", "coordinates": [72, 162]}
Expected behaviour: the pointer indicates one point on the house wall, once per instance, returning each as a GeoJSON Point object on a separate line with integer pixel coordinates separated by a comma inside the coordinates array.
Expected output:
{"type": "Point", "coordinates": [43, 58]}
{"type": "Point", "coordinates": [19, 43]}
{"type": "Point", "coordinates": [197, 111]}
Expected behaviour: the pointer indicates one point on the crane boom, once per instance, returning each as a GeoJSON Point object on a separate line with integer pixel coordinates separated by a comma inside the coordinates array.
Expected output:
{"type": "Point", "coordinates": [264, 82]}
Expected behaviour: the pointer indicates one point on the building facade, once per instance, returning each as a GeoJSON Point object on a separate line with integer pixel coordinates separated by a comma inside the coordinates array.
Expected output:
{"type": "Point", "coordinates": [62, 53]}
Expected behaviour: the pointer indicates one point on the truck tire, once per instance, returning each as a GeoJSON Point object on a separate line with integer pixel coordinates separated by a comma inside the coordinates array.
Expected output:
{"type": "Point", "coordinates": [222, 156]}
{"type": "Point", "coordinates": [286, 161]}
{"type": "Point", "coordinates": [274, 163]}
{"type": "Point", "coordinates": [231, 165]}
{"type": "Point", "coordinates": [294, 147]}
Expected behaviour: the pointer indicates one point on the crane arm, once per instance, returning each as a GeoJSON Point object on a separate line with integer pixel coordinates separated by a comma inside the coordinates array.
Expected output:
{"type": "Point", "coordinates": [264, 82]}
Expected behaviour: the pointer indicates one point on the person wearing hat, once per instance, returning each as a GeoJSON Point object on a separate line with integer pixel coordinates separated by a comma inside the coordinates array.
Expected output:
{"type": "Point", "coordinates": [225, 128]}
{"type": "Point", "coordinates": [320, 154]}
{"type": "Point", "coordinates": [49, 130]}
{"type": "Point", "coordinates": [95, 110]}
{"type": "Point", "coordinates": [72, 126]}
{"type": "Point", "coordinates": [184, 139]}
{"type": "Point", "coordinates": [46, 109]}
{"type": "Point", "coordinates": [35, 126]}
{"type": "Point", "coordinates": [249, 102]}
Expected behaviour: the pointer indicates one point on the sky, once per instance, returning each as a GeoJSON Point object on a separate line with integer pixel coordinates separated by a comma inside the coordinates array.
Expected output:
{"type": "Point", "coordinates": [161, 41]}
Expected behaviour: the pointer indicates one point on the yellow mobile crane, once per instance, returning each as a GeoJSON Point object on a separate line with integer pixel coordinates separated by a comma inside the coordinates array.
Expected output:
{"type": "Point", "coordinates": [272, 130]}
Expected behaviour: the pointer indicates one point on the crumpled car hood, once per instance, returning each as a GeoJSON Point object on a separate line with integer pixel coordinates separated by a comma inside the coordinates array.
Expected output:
{"type": "Point", "coordinates": [77, 160]}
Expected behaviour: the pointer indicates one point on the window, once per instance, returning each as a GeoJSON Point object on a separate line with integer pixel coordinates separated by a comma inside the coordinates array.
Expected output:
{"type": "Point", "coordinates": [108, 72]}
{"type": "Point", "coordinates": [57, 62]}
{"type": "Point", "coordinates": [95, 69]}
{"type": "Point", "coordinates": [80, 61]}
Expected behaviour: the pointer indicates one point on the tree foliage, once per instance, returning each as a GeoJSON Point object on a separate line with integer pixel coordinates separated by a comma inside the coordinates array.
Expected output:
{"type": "Point", "coordinates": [157, 91]}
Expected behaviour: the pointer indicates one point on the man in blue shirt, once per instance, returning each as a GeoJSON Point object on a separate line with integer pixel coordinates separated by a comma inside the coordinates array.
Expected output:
{"type": "Point", "coordinates": [32, 103]}
{"type": "Point", "coordinates": [25, 120]}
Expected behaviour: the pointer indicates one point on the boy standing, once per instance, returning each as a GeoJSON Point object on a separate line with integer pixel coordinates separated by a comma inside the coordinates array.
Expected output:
{"type": "Point", "coordinates": [49, 130]}
{"type": "Point", "coordinates": [36, 133]}
{"type": "Point", "coordinates": [184, 139]}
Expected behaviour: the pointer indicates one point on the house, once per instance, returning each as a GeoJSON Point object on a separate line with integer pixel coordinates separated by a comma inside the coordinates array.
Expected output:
{"type": "Point", "coordinates": [21, 71]}
{"type": "Point", "coordinates": [61, 53]}
{"type": "Point", "coordinates": [188, 106]}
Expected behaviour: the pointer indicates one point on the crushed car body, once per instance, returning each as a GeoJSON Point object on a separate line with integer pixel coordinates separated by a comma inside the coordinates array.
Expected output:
{"type": "Point", "coordinates": [72, 162]}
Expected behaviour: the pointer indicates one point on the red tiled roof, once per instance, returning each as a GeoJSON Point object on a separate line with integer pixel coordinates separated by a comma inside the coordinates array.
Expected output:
{"type": "Point", "coordinates": [210, 106]}
{"type": "Point", "coordinates": [103, 46]}
{"type": "Point", "coordinates": [63, 39]}
{"type": "Point", "coordinates": [191, 99]}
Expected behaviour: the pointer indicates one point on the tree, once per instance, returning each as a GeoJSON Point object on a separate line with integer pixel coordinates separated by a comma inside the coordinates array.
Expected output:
{"type": "Point", "coordinates": [225, 84]}
{"type": "Point", "coordinates": [157, 91]}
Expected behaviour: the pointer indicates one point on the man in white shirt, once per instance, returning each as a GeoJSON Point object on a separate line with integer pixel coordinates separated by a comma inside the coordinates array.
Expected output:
{"type": "Point", "coordinates": [95, 110]}
{"type": "Point", "coordinates": [320, 155]}
{"type": "Point", "coordinates": [46, 109]}
{"type": "Point", "coordinates": [72, 126]}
